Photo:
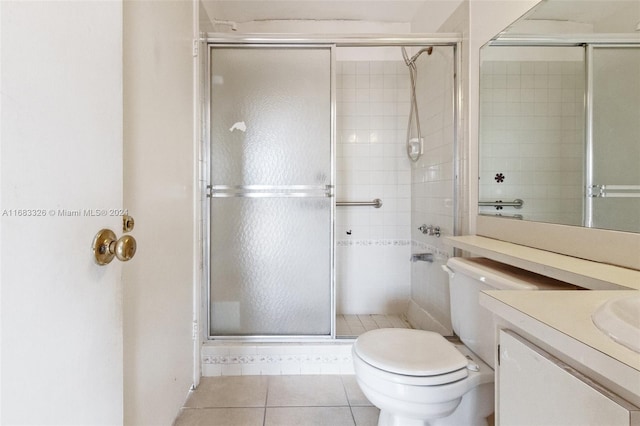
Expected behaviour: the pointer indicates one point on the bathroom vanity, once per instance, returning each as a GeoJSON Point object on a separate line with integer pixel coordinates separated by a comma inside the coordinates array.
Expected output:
{"type": "Point", "coordinates": [554, 365]}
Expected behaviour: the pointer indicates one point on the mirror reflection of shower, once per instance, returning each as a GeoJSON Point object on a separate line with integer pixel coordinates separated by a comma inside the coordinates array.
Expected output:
{"type": "Point", "coordinates": [415, 145]}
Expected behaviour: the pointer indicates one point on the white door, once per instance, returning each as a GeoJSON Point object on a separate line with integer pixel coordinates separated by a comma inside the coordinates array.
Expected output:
{"type": "Point", "coordinates": [61, 177]}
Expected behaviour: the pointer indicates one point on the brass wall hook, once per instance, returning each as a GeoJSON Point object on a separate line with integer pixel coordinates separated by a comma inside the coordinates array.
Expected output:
{"type": "Point", "coordinates": [105, 247]}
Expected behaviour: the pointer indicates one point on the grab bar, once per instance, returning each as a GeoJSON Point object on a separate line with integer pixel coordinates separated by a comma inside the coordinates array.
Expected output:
{"type": "Point", "coordinates": [377, 203]}
{"type": "Point", "coordinates": [517, 203]}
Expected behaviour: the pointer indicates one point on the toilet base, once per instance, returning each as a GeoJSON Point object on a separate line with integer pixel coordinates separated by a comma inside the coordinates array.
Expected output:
{"type": "Point", "coordinates": [474, 410]}
{"type": "Point", "coordinates": [388, 419]}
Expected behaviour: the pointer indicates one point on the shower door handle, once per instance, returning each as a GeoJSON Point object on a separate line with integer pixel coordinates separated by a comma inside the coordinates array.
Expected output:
{"type": "Point", "coordinates": [269, 191]}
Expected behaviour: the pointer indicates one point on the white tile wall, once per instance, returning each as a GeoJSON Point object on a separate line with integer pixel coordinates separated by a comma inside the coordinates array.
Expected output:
{"type": "Point", "coordinates": [373, 271]}
{"type": "Point", "coordinates": [532, 133]}
{"type": "Point", "coordinates": [433, 191]}
{"type": "Point", "coordinates": [433, 173]}
{"type": "Point", "coordinates": [372, 276]}
{"type": "Point", "coordinates": [373, 245]}
{"type": "Point", "coordinates": [372, 109]}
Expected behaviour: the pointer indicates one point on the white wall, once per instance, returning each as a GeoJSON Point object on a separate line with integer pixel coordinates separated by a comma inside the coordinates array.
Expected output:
{"type": "Point", "coordinates": [458, 22]}
{"type": "Point", "coordinates": [159, 163]}
{"type": "Point", "coordinates": [432, 15]}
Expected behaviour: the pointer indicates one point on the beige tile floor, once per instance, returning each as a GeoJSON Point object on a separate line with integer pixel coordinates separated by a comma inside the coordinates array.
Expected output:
{"type": "Point", "coordinates": [331, 400]}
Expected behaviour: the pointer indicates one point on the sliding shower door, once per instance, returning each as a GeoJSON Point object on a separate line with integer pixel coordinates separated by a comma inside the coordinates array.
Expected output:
{"type": "Point", "coordinates": [270, 189]}
{"type": "Point", "coordinates": [614, 177]}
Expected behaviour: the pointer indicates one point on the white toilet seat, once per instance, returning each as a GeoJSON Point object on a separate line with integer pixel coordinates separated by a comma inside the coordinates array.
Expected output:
{"type": "Point", "coordinates": [412, 357]}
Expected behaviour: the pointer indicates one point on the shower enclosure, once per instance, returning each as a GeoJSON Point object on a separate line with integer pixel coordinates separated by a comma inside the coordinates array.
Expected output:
{"type": "Point", "coordinates": [270, 169]}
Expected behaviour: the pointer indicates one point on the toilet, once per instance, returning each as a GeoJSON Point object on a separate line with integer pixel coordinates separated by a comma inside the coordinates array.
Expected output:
{"type": "Point", "coordinates": [418, 377]}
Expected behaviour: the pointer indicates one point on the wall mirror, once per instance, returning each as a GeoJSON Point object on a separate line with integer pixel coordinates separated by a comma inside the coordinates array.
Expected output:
{"type": "Point", "coordinates": [560, 116]}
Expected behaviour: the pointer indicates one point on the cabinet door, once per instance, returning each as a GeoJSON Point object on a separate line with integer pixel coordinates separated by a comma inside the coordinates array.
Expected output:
{"type": "Point", "coordinates": [534, 388]}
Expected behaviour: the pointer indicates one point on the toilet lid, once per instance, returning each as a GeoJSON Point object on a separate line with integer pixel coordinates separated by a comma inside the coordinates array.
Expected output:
{"type": "Point", "coordinates": [409, 352]}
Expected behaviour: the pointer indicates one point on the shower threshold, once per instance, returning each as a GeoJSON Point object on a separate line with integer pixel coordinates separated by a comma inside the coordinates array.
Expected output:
{"type": "Point", "coordinates": [273, 358]}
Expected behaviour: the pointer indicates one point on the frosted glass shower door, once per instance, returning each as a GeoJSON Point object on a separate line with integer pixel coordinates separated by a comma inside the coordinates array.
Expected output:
{"type": "Point", "coordinates": [615, 146]}
{"type": "Point", "coordinates": [271, 211]}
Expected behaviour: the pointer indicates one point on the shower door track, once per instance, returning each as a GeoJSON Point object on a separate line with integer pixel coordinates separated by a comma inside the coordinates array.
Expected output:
{"type": "Point", "coordinates": [339, 40]}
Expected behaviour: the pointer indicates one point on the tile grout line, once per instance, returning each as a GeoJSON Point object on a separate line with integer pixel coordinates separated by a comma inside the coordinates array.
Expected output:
{"type": "Point", "coordinates": [266, 398]}
{"type": "Point", "coordinates": [346, 394]}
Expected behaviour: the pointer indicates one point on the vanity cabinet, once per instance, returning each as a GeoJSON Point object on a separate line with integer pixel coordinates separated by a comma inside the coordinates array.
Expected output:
{"type": "Point", "coordinates": [535, 388]}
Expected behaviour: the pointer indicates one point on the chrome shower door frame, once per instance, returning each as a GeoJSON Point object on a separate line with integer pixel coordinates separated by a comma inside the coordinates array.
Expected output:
{"type": "Point", "coordinates": [333, 41]}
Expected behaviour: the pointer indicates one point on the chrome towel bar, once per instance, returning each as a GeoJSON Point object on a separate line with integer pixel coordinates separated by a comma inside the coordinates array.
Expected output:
{"type": "Point", "coordinates": [517, 203]}
{"type": "Point", "coordinates": [377, 203]}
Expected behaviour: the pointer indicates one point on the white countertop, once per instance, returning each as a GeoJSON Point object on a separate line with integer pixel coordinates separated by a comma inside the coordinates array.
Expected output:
{"type": "Point", "coordinates": [569, 312]}
{"type": "Point", "coordinates": [580, 272]}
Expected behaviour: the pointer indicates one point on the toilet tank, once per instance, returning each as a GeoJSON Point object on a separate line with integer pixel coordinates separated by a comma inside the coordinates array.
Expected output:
{"type": "Point", "coordinates": [473, 323]}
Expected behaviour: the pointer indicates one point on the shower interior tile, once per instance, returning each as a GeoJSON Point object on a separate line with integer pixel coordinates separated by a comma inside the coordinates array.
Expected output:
{"type": "Point", "coordinates": [355, 325]}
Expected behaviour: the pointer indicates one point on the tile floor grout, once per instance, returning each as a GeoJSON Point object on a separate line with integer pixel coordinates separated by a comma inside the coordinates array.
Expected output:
{"type": "Point", "coordinates": [295, 400]}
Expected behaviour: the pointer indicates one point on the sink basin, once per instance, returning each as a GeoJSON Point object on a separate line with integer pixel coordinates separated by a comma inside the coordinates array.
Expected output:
{"type": "Point", "coordinates": [619, 319]}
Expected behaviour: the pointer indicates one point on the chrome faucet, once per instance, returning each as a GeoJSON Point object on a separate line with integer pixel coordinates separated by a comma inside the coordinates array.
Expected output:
{"type": "Point", "coordinates": [430, 230]}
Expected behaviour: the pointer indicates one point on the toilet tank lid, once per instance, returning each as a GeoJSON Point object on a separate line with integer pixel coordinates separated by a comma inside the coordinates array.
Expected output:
{"type": "Point", "coordinates": [504, 277]}
{"type": "Point", "coordinates": [409, 352]}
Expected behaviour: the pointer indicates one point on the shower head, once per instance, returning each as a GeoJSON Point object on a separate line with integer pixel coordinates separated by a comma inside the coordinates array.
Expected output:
{"type": "Point", "coordinates": [411, 61]}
